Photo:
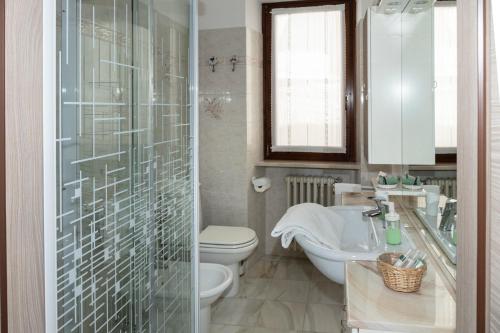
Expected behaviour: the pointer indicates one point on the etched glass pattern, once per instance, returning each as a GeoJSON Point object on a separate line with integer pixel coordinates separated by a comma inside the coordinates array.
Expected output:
{"type": "Point", "coordinates": [125, 190]}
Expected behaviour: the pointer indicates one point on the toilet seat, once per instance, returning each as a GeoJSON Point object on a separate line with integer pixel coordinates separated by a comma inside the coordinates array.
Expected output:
{"type": "Point", "coordinates": [223, 237]}
{"type": "Point", "coordinates": [227, 246]}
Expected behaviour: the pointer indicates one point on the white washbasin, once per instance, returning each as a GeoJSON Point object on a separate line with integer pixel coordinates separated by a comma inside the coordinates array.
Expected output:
{"type": "Point", "coordinates": [363, 238]}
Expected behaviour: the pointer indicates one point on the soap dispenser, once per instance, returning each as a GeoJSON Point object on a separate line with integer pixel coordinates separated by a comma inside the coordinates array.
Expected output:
{"type": "Point", "coordinates": [393, 226]}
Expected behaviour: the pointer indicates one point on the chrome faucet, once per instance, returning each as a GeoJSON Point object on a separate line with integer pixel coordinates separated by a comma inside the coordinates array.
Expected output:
{"type": "Point", "coordinates": [377, 210]}
{"type": "Point", "coordinates": [448, 215]}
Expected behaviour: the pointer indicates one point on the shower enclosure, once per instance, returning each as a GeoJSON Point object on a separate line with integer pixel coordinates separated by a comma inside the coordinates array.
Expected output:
{"type": "Point", "coordinates": [124, 229]}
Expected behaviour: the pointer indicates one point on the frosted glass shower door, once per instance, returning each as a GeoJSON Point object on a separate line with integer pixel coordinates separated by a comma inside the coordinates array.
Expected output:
{"type": "Point", "coordinates": [124, 166]}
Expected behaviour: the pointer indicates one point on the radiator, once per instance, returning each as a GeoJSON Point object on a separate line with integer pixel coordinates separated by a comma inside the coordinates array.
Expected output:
{"type": "Point", "coordinates": [320, 190]}
{"type": "Point", "coordinates": [448, 185]}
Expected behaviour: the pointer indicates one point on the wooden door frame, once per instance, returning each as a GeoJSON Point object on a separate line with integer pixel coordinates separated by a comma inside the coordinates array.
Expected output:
{"type": "Point", "coordinates": [481, 271]}
{"type": "Point", "coordinates": [3, 238]}
{"type": "Point", "coordinates": [482, 165]}
{"type": "Point", "coordinates": [471, 289]}
{"type": "Point", "coordinates": [23, 144]}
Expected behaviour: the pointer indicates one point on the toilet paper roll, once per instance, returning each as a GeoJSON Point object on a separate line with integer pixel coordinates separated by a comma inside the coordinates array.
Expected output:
{"type": "Point", "coordinates": [261, 184]}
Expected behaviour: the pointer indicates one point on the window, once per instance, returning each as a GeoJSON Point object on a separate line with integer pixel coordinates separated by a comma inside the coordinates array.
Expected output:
{"type": "Point", "coordinates": [445, 71]}
{"type": "Point", "coordinates": [309, 80]}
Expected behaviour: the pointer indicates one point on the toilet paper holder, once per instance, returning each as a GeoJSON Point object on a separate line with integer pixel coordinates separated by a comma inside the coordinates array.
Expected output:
{"type": "Point", "coordinates": [261, 184]}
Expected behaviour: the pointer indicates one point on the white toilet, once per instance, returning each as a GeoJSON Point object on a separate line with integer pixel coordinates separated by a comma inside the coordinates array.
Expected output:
{"type": "Point", "coordinates": [227, 246]}
{"type": "Point", "coordinates": [214, 280]}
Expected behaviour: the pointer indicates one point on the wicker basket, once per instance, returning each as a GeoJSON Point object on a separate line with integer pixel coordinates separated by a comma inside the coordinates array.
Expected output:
{"type": "Point", "coordinates": [406, 280]}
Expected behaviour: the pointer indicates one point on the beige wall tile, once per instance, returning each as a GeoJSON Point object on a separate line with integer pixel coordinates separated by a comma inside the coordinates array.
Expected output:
{"type": "Point", "coordinates": [230, 139]}
{"type": "Point", "coordinates": [222, 43]}
{"type": "Point", "coordinates": [223, 208]}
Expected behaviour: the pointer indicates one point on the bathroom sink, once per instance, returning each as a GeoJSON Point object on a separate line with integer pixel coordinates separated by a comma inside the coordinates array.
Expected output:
{"type": "Point", "coordinates": [363, 238]}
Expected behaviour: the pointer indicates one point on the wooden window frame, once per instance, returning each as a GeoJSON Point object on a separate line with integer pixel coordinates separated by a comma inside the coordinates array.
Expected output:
{"type": "Point", "coordinates": [350, 110]}
{"type": "Point", "coordinates": [446, 158]}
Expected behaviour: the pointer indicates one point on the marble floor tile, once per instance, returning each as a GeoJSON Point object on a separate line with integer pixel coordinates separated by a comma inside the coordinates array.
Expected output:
{"type": "Point", "coordinates": [253, 288]}
{"type": "Point", "coordinates": [294, 269]}
{"type": "Point", "coordinates": [325, 292]}
{"type": "Point", "coordinates": [258, 313]}
{"type": "Point", "coordinates": [281, 315]}
{"type": "Point", "coordinates": [217, 328]}
{"type": "Point", "coordinates": [318, 276]}
{"type": "Point", "coordinates": [265, 268]}
{"type": "Point", "coordinates": [236, 311]}
{"type": "Point", "coordinates": [241, 329]}
{"type": "Point", "coordinates": [272, 257]}
{"type": "Point", "coordinates": [281, 295]}
{"type": "Point", "coordinates": [274, 290]}
{"type": "Point", "coordinates": [271, 330]}
{"type": "Point", "coordinates": [323, 318]}
{"type": "Point", "coordinates": [287, 291]}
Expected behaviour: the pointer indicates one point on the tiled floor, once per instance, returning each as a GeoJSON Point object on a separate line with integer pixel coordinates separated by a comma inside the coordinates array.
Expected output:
{"type": "Point", "coordinates": [279, 295]}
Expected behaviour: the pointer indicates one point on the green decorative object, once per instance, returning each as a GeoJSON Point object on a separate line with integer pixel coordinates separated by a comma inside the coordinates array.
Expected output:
{"type": "Point", "coordinates": [411, 180]}
{"type": "Point", "coordinates": [454, 236]}
{"type": "Point", "coordinates": [388, 180]}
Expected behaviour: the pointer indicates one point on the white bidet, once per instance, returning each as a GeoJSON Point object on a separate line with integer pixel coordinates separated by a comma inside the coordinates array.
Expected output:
{"type": "Point", "coordinates": [214, 280]}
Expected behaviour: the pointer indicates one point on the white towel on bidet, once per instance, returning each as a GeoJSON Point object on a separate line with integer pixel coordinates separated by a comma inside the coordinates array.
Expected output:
{"type": "Point", "coordinates": [318, 223]}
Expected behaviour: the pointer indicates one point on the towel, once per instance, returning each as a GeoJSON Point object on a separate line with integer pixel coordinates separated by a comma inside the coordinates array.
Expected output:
{"type": "Point", "coordinates": [315, 222]}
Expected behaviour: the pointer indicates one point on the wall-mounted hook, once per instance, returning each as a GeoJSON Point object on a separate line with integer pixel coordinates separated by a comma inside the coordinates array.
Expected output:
{"type": "Point", "coordinates": [234, 61]}
{"type": "Point", "coordinates": [212, 62]}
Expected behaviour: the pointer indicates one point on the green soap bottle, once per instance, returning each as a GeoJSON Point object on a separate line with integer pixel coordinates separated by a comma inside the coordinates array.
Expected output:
{"type": "Point", "coordinates": [454, 235]}
{"type": "Point", "coordinates": [393, 226]}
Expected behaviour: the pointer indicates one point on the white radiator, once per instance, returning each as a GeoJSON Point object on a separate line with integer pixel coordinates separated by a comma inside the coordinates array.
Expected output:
{"type": "Point", "coordinates": [448, 185]}
{"type": "Point", "coordinates": [316, 189]}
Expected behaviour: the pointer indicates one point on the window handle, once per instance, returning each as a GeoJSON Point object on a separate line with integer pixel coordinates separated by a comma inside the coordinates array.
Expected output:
{"type": "Point", "coordinates": [347, 98]}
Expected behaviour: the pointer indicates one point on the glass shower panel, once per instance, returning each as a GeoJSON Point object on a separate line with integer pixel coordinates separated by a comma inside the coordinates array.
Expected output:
{"type": "Point", "coordinates": [125, 190]}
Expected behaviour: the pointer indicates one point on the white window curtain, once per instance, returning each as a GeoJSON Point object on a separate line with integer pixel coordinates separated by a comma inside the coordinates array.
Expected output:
{"type": "Point", "coordinates": [445, 55]}
{"type": "Point", "coordinates": [308, 86]}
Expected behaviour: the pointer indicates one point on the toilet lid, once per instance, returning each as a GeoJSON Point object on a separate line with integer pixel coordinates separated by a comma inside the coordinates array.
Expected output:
{"type": "Point", "coordinates": [226, 236]}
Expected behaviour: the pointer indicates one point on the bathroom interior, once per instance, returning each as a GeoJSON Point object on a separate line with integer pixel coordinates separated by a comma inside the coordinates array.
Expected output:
{"type": "Point", "coordinates": [250, 166]}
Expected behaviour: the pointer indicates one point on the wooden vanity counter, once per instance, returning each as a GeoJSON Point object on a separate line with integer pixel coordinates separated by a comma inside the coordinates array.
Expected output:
{"type": "Point", "coordinates": [372, 307]}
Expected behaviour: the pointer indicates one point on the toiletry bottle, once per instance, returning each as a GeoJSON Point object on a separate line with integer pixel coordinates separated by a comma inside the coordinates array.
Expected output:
{"type": "Point", "coordinates": [410, 262]}
{"type": "Point", "coordinates": [420, 261]}
{"type": "Point", "coordinates": [393, 226]}
{"type": "Point", "coordinates": [453, 234]}
{"type": "Point", "coordinates": [384, 197]}
{"type": "Point", "coordinates": [385, 210]}
{"type": "Point", "coordinates": [402, 258]}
